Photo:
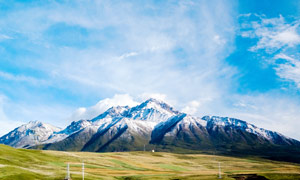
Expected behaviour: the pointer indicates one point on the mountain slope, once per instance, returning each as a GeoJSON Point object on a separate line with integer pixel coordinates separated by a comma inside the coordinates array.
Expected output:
{"type": "Point", "coordinates": [182, 131]}
{"type": "Point", "coordinates": [74, 127]}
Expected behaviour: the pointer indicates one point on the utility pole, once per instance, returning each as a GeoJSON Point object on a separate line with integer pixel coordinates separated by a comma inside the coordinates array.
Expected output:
{"type": "Point", "coordinates": [220, 176]}
{"type": "Point", "coordinates": [68, 173]}
{"type": "Point", "coordinates": [144, 147]}
{"type": "Point", "coordinates": [82, 170]}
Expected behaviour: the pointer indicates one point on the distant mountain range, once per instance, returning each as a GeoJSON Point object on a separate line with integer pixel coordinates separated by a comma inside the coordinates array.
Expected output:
{"type": "Point", "coordinates": [155, 125]}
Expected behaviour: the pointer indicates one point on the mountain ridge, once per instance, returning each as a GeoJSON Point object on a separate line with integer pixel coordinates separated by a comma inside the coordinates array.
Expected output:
{"type": "Point", "coordinates": [156, 125]}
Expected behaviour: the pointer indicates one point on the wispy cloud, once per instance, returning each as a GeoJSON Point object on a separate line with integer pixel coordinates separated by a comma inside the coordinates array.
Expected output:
{"type": "Point", "coordinates": [272, 33]}
{"type": "Point", "coordinates": [280, 40]}
{"type": "Point", "coordinates": [289, 69]}
{"type": "Point", "coordinates": [102, 106]}
{"type": "Point", "coordinates": [191, 107]}
{"type": "Point", "coordinates": [158, 53]}
{"type": "Point", "coordinates": [22, 78]}
{"type": "Point", "coordinates": [276, 45]}
{"type": "Point", "coordinates": [4, 37]}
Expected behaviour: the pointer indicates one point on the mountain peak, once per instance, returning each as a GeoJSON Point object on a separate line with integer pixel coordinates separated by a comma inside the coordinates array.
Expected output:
{"type": "Point", "coordinates": [118, 109]}
{"type": "Point", "coordinates": [113, 111]}
{"type": "Point", "coordinates": [152, 110]}
{"type": "Point", "coordinates": [153, 100]}
{"type": "Point", "coordinates": [157, 104]}
{"type": "Point", "coordinates": [34, 123]}
{"type": "Point", "coordinates": [28, 134]}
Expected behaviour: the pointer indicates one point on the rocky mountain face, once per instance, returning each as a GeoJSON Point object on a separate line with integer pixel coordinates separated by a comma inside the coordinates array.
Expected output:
{"type": "Point", "coordinates": [155, 125]}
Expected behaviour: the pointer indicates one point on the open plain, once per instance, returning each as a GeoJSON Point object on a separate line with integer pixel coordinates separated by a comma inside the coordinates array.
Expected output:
{"type": "Point", "coordinates": [36, 164]}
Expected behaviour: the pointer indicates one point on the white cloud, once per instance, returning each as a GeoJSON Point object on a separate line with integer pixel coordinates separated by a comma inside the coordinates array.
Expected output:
{"type": "Point", "coordinates": [280, 40]}
{"type": "Point", "coordinates": [288, 36]}
{"type": "Point", "coordinates": [158, 96]}
{"type": "Point", "coordinates": [191, 107]}
{"type": "Point", "coordinates": [102, 106]}
{"type": "Point", "coordinates": [127, 55]}
{"type": "Point", "coordinates": [219, 40]}
{"type": "Point", "coordinates": [289, 70]}
{"type": "Point", "coordinates": [272, 33]}
{"type": "Point", "coordinates": [149, 45]}
{"type": "Point", "coordinates": [4, 37]}
{"type": "Point", "coordinates": [135, 48]}
{"type": "Point", "coordinates": [22, 78]}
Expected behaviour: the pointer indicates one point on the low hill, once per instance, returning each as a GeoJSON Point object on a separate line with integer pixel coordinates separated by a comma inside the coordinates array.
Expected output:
{"type": "Point", "coordinates": [46, 165]}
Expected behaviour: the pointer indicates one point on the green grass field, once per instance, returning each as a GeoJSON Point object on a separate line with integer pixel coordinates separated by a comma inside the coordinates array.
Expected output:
{"type": "Point", "coordinates": [36, 164]}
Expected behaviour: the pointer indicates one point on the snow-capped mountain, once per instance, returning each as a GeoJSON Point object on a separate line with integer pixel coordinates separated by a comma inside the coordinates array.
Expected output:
{"type": "Point", "coordinates": [119, 124]}
{"type": "Point", "coordinates": [214, 122]}
{"type": "Point", "coordinates": [152, 123]}
{"type": "Point", "coordinates": [152, 110]}
{"type": "Point", "coordinates": [29, 134]}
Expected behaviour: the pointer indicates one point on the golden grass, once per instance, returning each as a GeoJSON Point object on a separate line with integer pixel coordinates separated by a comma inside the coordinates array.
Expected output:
{"type": "Point", "coordinates": [143, 164]}
{"type": "Point", "coordinates": [34, 164]}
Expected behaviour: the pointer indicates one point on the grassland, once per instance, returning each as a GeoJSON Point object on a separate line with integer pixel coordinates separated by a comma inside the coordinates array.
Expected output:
{"type": "Point", "coordinates": [36, 164]}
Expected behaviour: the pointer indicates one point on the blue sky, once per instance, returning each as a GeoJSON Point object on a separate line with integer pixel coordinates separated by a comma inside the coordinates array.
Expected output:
{"type": "Point", "coordinates": [65, 60]}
